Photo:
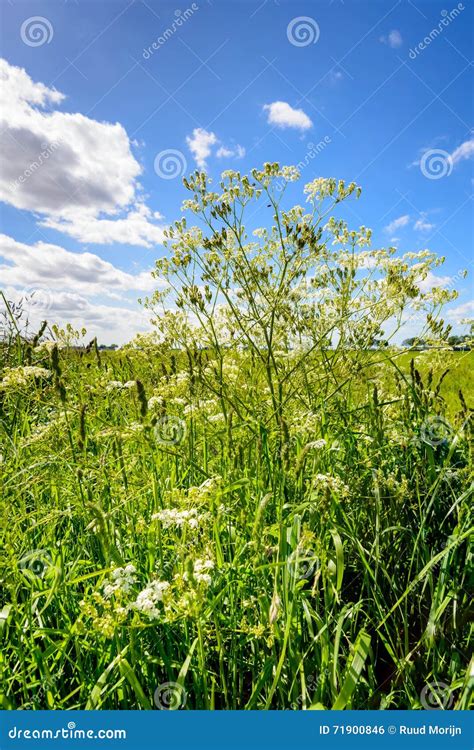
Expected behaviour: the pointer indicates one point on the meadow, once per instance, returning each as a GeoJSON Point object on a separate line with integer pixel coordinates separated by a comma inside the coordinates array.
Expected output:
{"type": "Point", "coordinates": [237, 511]}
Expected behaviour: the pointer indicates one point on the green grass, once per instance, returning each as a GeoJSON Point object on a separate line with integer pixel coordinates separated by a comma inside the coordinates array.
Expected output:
{"type": "Point", "coordinates": [340, 569]}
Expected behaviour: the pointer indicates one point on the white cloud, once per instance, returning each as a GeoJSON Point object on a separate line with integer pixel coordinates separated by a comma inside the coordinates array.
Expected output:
{"type": "Point", "coordinates": [67, 166]}
{"type": "Point", "coordinates": [432, 280]}
{"type": "Point", "coordinates": [237, 151]}
{"type": "Point", "coordinates": [283, 115]}
{"type": "Point", "coordinates": [111, 324]}
{"type": "Point", "coordinates": [402, 221]}
{"type": "Point", "coordinates": [334, 76]}
{"type": "Point", "coordinates": [199, 144]}
{"type": "Point", "coordinates": [464, 151]}
{"type": "Point", "coordinates": [461, 312]}
{"type": "Point", "coordinates": [43, 266]}
{"type": "Point", "coordinates": [422, 224]}
{"type": "Point", "coordinates": [134, 229]}
{"type": "Point", "coordinates": [393, 39]}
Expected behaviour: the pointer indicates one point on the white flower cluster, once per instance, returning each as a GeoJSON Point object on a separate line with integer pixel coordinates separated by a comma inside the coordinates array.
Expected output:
{"type": "Point", "coordinates": [290, 174]}
{"type": "Point", "coordinates": [147, 599]}
{"type": "Point", "coordinates": [113, 385]}
{"type": "Point", "coordinates": [201, 572]}
{"type": "Point", "coordinates": [202, 493]}
{"type": "Point", "coordinates": [47, 346]}
{"type": "Point", "coordinates": [155, 402]}
{"type": "Point", "coordinates": [19, 376]}
{"type": "Point", "coordinates": [122, 579]}
{"type": "Point", "coordinates": [174, 517]}
{"type": "Point", "coordinates": [316, 444]}
{"type": "Point", "coordinates": [335, 484]}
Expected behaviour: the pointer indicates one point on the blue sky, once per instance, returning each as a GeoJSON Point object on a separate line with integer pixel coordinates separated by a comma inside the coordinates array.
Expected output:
{"type": "Point", "coordinates": [228, 85]}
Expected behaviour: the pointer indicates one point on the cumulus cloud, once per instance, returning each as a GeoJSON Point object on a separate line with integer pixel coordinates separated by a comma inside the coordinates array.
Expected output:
{"type": "Point", "coordinates": [200, 143]}
{"type": "Point", "coordinates": [237, 152]}
{"type": "Point", "coordinates": [112, 324]}
{"type": "Point", "coordinates": [464, 151]}
{"type": "Point", "coordinates": [393, 39]}
{"type": "Point", "coordinates": [283, 115]}
{"type": "Point", "coordinates": [44, 266]}
{"type": "Point", "coordinates": [402, 221]}
{"type": "Point", "coordinates": [422, 224]}
{"type": "Point", "coordinates": [66, 166]}
{"type": "Point", "coordinates": [135, 228]}
{"type": "Point", "coordinates": [462, 312]}
{"type": "Point", "coordinates": [432, 280]}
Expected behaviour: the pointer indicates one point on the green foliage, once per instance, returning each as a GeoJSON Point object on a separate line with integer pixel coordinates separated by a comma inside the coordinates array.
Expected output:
{"type": "Point", "coordinates": [231, 514]}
